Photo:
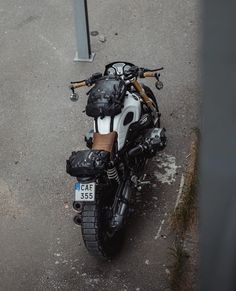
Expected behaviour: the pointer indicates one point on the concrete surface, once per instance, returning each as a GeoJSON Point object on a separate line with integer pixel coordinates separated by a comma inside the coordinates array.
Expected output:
{"type": "Point", "coordinates": [41, 248]}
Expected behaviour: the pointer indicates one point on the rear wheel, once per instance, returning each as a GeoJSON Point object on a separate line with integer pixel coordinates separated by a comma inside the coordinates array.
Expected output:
{"type": "Point", "coordinates": [99, 240]}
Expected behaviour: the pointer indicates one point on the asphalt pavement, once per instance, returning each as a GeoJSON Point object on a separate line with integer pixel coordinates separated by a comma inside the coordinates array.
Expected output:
{"type": "Point", "coordinates": [41, 248]}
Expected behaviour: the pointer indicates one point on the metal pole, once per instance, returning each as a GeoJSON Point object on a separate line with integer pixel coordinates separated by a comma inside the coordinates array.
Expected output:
{"type": "Point", "coordinates": [83, 53]}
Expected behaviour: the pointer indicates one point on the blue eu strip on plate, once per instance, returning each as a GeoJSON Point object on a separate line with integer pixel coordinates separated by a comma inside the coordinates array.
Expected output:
{"type": "Point", "coordinates": [77, 186]}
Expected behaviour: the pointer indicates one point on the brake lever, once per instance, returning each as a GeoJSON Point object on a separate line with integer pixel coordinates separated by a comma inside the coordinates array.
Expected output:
{"type": "Point", "coordinates": [75, 82]}
{"type": "Point", "coordinates": [155, 70]}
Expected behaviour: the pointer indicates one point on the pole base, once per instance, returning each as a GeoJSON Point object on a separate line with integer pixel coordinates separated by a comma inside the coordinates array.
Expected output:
{"type": "Point", "coordinates": [90, 60]}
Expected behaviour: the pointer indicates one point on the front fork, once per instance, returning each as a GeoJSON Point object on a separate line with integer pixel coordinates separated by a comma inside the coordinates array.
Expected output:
{"type": "Point", "coordinates": [148, 101]}
{"type": "Point", "coordinates": [144, 96]}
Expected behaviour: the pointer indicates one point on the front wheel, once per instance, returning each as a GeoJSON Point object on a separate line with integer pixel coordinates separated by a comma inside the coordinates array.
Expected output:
{"type": "Point", "coordinates": [151, 95]}
{"type": "Point", "coordinates": [98, 237]}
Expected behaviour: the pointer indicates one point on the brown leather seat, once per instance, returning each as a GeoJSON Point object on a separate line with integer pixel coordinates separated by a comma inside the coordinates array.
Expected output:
{"type": "Point", "coordinates": [104, 141]}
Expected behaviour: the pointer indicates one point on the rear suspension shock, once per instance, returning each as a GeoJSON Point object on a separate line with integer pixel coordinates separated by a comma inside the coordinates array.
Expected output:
{"type": "Point", "coordinates": [112, 174]}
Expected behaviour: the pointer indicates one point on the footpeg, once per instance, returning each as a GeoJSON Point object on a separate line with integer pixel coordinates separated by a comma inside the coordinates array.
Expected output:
{"type": "Point", "coordinates": [138, 184]}
{"type": "Point", "coordinates": [141, 184]}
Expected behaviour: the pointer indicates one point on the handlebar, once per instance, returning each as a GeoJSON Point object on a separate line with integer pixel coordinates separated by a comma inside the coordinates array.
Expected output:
{"type": "Point", "coordinates": [133, 72]}
{"type": "Point", "coordinates": [89, 82]}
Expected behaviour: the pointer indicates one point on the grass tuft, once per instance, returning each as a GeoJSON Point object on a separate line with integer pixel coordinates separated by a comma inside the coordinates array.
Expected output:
{"type": "Point", "coordinates": [178, 269]}
{"type": "Point", "coordinates": [183, 213]}
{"type": "Point", "coordinates": [182, 218]}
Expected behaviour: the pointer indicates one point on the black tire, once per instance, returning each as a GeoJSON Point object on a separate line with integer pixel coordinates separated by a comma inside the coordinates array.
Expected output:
{"type": "Point", "coordinates": [95, 230]}
{"type": "Point", "coordinates": [151, 95]}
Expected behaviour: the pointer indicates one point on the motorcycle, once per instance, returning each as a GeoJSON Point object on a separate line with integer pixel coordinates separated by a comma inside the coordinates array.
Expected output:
{"type": "Point", "coordinates": [126, 134]}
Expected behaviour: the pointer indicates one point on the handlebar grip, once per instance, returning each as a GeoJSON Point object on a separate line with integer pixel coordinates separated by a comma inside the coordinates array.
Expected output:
{"type": "Point", "coordinates": [78, 85]}
{"type": "Point", "coordinates": [149, 74]}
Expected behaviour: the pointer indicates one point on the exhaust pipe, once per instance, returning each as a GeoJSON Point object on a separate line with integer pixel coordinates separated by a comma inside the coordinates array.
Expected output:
{"type": "Point", "coordinates": [77, 206]}
{"type": "Point", "coordinates": [119, 217]}
{"type": "Point", "coordinates": [77, 219]}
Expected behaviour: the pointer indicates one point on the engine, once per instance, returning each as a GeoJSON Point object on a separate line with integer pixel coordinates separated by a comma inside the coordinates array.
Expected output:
{"type": "Point", "coordinates": [153, 140]}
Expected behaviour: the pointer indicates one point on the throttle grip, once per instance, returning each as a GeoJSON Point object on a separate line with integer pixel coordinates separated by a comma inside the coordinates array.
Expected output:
{"type": "Point", "coordinates": [78, 85]}
{"type": "Point", "coordinates": [149, 74]}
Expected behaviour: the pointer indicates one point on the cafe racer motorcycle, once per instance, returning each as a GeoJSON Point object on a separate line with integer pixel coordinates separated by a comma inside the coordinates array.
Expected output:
{"type": "Point", "coordinates": [126, 133]}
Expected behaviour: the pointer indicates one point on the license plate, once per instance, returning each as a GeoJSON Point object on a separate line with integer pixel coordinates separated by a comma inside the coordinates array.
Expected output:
{"type": "Point", "coordinates": [85, 191]}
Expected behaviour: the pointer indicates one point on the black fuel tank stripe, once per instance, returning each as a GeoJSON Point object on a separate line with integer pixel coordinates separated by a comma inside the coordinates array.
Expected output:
{"type": "Point", "coordinates": [96, 124]}
{"type": "Point", "coordinates": [112, 123]}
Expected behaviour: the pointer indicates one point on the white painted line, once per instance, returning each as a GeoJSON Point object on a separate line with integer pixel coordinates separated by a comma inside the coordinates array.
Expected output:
{"type": "Point", "coordinates": [159, 230]}
{"type": "Point", "coordinates": [180, 190]}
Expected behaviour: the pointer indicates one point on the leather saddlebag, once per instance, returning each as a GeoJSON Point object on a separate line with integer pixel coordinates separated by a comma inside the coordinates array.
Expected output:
{"type": "Point", "coordinates": [87, 163]}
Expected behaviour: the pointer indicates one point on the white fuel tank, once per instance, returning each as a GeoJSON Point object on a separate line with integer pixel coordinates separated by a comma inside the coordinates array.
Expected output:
{"type": "Point", "coordinates": [121, 122]}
